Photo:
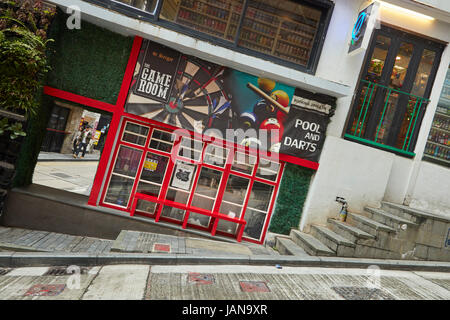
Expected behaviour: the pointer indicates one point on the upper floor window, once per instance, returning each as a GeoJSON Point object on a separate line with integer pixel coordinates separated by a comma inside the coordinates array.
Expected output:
{"type": "Point", "coordinates": [290, 33]}
{"type": "Point", "coordinates": [393, 92]}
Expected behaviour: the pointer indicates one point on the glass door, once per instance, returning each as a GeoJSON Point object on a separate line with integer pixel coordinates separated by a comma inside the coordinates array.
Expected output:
{"type": "Point", "coordinates": [392, 94]}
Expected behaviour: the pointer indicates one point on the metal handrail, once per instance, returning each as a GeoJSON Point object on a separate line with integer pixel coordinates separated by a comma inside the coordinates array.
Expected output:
{"type": "Point", "coordinates": [365, 107]}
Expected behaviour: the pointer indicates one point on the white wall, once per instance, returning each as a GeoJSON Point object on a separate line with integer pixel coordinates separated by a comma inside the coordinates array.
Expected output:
{"type": "Point", "coordinates": [350, 170]}
{"type": "Point", "coordinates": [432, 189]}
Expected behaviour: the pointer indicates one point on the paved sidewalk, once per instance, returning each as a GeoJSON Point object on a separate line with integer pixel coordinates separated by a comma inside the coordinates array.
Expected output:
{"type": "Point", "coordinates": [55, 156]}
{"type": "Point", "coordinates": [223, 284]}
{"type": "Point", "coordinates": [26, 248]}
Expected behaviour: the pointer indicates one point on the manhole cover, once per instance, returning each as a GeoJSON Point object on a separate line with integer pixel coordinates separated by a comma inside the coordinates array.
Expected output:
{"type": "Point", "coordinates": [200, 278]}
{"type": "Point", "coordinates": [254, 286]}
{"type": "Point", "coordinates": [362, 293]}
{"type": "Point", "coordinates": [61, 175]}
{"type": "Point", "coordinates": [161, 247]}
{"type": "Point", "coordinates": [64, 271]}
{"type": "Point", "coordinates": [45, 290]}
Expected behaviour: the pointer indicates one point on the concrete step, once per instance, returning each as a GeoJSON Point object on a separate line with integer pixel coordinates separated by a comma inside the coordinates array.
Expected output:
{"type": "Point", "coordinates": [414, 215]}
{"type": "Point", "coordinates": [311, 245]}
{"type": "Point", "coordinates": [342, 246]}
{"type": "Point", "coordinates": [389, 219]}
{"type": "Point", "coordinates": [368, 225]}
{"type": "Point", "coordinates": [347, 231]}
{"type": "Point", "coordinates": [286, 246]}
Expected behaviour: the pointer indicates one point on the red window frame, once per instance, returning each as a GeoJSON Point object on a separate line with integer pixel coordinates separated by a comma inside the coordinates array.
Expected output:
{"type": "Point", "coordinates": [226, 171]}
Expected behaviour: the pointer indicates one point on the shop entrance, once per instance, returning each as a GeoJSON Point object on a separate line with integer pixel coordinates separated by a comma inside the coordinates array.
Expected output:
{"type": "Point", "coordinates": [56, 129]}
{"type": "Point", "coordinates": [176, 177]}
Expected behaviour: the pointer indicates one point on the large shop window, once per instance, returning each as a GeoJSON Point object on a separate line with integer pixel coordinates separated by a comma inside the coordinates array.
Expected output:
{"type": "Point", "coordinates": [393, 92]}
{"type": "Point", "coordinates": [287, 32]}
{"type": "Point", "coordinates": [211, 186]}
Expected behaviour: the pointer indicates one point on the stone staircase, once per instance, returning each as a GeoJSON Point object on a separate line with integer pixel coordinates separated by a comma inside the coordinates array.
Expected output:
{"type": "Point", "coordinates": [390, 232]}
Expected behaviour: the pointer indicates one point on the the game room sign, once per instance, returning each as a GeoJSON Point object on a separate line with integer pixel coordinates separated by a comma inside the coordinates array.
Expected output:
{"type": "Point", "coordinates": [204, 97]}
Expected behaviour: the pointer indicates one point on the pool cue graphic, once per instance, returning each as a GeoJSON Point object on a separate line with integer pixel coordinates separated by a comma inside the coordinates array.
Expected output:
{"type": "Point", "coordinates": [267, 97]}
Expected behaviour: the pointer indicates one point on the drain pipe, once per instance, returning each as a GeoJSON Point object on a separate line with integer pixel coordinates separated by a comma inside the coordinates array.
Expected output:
{"type": "Point", "coordinates": [343, 213]}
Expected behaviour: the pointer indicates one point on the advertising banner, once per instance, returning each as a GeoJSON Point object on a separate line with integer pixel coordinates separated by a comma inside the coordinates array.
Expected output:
{"type": "Point", "coordinates": [207, 98]}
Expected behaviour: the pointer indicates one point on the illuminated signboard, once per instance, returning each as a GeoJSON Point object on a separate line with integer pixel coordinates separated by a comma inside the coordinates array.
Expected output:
{"type": "Point", "coordinates": [359, 40]}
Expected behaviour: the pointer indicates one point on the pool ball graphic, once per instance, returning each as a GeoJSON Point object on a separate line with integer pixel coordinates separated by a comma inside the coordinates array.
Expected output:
{"type": "Point", "coordinates": [281, 97]}
{"type": "Point", "coordinates": [247, 120]}
{"type": "Point", "coordinates": [270, 124]}
{"type": "Point", "coordinates": [263, 110]}
{"type": "Point", "coordinates": [266, 85]}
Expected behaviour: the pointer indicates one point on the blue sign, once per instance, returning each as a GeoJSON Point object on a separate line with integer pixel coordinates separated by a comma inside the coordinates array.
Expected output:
{"type": "Point", "coordinates": [356, 32]}
{"type": "Point", "coordinates": [359, 28]}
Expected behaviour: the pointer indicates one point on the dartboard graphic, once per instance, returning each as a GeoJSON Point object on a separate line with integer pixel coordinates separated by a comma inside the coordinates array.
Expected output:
{"type": "Point", "coordinates": [197, 100]}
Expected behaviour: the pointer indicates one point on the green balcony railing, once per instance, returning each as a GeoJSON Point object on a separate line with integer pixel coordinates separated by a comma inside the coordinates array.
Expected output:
{"type": "Point", "coordinates": [384, 100]}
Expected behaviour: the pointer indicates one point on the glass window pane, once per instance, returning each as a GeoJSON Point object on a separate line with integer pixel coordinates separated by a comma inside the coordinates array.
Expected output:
{"type": "Point", "coordinates": [148, 188]}
{"type": "Point", "coordinates": [216, 18]}
{"type": "Point", "coordinates": [154, 168]}
{"type": "Point", "coordinates": [199, 219]}
{"type": "Point", "coordinates": [177, 196]}
{"type": "Point", "coordinates": [363, 109]}
{"type": "Point", "coordinates": [284, 29]}
{"type": "Point", "coordinates": [183, 175]}
{"type": "Point", "coordinates": [162, 135]}
{"type": "Point", "coordinates": [137, 129]}
{"type": "Point", "coordinates": [128, 137]}
{"type": "Point", "coordinates": [231, 210]}
{"type": "Point", "coordinates": [402, 59]}
{"type": "Point", "coordinates": [173, 213]}
{"type": "Point", "coordinates": [119, 190]}
{"type": "Point", "coordinates": [215, 155]}
{"type": "Point", "coordinates": [236, 189]}
{"type": "Point", "coordinates": [127, 161]}
{"type": "Point", "coordinates": [378, 58]}
{"type": "Point", "coordinates": [204, 203]}
{"type": "Point", "coordinates": [145, 5]}
{"type": "Point", "coordinates": [190, 154]}
{"type": "Point", "coordinates": [423, 72]}
{"type": "Point", "coordinates": [388, 113]}
{"type": "Point", "coordinates": [162, 146]}
{"type": "Point", "coordinates": [146, 206]}
{"type": "Point", "coordinates": [255, 223]}
{"type": "Point", "coordinates": [260, 196]}
{"type": "Point", "coordinates": [208, 182]}
{"type": "Point", "coordinates": [243, 163]}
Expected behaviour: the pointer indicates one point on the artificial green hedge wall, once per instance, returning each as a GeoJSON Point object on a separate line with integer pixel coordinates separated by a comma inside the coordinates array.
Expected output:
{"type": "Point", "coordinates": [291, 197]}
{"type": "Point", "coordinates": [90, 62]}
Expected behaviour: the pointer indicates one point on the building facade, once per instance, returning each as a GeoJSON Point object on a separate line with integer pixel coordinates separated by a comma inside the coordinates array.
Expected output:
{"type": "Point", "coordinates": [239, 117]}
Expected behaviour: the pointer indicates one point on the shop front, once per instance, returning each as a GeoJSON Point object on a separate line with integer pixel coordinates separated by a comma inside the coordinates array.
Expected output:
{"type": "Point", "coordinates": [204, 146]}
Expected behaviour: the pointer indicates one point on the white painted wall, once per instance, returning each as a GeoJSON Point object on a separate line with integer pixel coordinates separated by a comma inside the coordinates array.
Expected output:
{"type": "Point", "coordinates": [350, 170]}
{"type": "Point", "coordinates": [431, 192]}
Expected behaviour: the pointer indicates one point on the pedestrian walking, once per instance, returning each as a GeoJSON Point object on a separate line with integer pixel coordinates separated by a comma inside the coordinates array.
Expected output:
{"type": "Point", "coordinates": [76, 140]}
{"type": "Point", "coordinates": [85, 137]}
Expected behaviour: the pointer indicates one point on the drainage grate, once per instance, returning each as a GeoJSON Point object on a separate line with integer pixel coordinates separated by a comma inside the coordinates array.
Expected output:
{"type": "Point", "coordinates": [63, 271]}
{"type": "Point", "coordinates": [362, 293]}
{"type": "Point", "coordinates": [254, 286]}
{"type": "Point", "coordinates": [46, 290]}
{"type": "Point", "coordinates": [4, 271]}
{"type": "Point", "coordinates": [200, 278]}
